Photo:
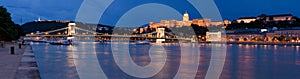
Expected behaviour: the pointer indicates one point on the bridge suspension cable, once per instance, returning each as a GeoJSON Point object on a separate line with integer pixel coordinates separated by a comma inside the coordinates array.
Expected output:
{"type": "Point", "coordinates": [54, 30]}
{"type": "Point", "coordinates": [87, 30]}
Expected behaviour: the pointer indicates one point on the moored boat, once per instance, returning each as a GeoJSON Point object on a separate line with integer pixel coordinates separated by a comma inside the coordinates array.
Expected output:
{"type": "Point", "coordinates": [142, 42]}
{"type": "Point", "coordinates": [61, 42]}
{"type": "Point", "coordinates": [68, 41]}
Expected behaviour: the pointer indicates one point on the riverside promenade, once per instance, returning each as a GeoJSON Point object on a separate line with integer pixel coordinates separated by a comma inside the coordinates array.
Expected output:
{"type": "Point", "coordinates": [16, 66]}
{"type": "Point", "coordinates": [9, 63]}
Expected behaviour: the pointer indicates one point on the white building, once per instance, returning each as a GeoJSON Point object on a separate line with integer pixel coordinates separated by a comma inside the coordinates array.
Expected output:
{"type": "Point", "coordinates": [280, 17]}
{"type": "Point", "coordinates": [213, 36]}
{"type": "Point", "coordinates": [246, 19]}
{"type": "Point", "coordinates": [160, 32]}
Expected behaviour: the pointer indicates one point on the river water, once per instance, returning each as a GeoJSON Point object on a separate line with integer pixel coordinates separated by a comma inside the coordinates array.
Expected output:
{"type": "Point", "coordinates": [241, 62]}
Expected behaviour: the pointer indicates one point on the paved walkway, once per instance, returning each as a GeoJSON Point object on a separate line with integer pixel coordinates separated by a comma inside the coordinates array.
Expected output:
{"type": "Point", "coordinates": [28, 66]}
{"type": "Point", "coordinates": [9, 63]}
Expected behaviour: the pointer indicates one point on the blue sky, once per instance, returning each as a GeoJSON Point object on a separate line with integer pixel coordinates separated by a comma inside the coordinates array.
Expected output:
{"type": "Point", "coordinates": [30, 10]}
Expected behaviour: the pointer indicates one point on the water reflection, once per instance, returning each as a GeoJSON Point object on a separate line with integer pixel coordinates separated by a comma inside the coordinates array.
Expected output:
{"type": "Point", "coordinates": [53, 61]}
{"type": "Point", "coordinates": [242, 61]}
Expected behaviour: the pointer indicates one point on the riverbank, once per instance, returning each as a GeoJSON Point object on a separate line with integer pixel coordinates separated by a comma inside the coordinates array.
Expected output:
{"type": "Point", "coordinates": [28, 66]}
{"type": "Point", "coordinates": [19, 65]}
{"type": "Point", "coordinates": [9, 63]}
{"type": "Point", "coordinates": [257, 43]}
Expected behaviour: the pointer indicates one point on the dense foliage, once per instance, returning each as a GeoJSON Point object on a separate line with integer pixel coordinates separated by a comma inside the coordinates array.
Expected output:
{"type": "Point", "coordinates": [262, 24]}
{"type": "Point", "coordinates": [8, 29]}
{"type": "Point", "coordinates": [44, 26]}
{"type": "Point", "coordinates": [33, 27]}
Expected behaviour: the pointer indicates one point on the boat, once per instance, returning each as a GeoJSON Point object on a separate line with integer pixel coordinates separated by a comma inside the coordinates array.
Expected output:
{"type": "Point", "coordinates": [61, 42]}
{"type": "Point", "coordinates": [143, 42]}
{"type": "Point", "coordinates": [104, 42]}
{"type": "Point", "coordinates": [68, 41]}
{"type": "Point", "coordinates": [41, 41]}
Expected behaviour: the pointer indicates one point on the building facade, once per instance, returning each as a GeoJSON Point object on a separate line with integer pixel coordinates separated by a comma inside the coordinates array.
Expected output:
{"type": "Point", "coordinates": [246, 19]}
{"type": "Point", "coordinates": [245, 37]}
{"type": "Point", "coordinates": [187, 22]}
{"type": "Point", "coordinates": [279, 17]}
{"type": "Point", "coordinates": [214, 36]}
{"type": "Point", "coordinates": [287, 34]}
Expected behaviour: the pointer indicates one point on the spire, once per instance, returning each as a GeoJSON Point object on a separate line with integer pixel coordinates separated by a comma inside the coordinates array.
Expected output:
{"type": "Point", "coordinates": [39, 19]}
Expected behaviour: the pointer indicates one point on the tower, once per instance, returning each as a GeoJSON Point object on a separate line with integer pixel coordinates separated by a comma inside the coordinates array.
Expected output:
{"type": "Point", "coordinates": [39, 19]}
{"type": "Point", "coordinates": [160, 32]}
{"type": "Point", "coordinates": [186, 17]}
{"type": "Point", "coordinates": [71, 29]}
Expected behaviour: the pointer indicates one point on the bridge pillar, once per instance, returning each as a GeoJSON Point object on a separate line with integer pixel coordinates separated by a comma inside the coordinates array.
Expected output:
{"type": "Point", "coordinates": [71, 29]}
{"type": "Point", "coordinates": [160, 34]}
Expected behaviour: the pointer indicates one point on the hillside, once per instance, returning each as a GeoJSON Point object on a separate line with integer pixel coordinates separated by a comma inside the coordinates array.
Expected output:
{"type": "Point", "coordinates": [33, 27]}
{"type": "Point", "coordinates": [42, 26]}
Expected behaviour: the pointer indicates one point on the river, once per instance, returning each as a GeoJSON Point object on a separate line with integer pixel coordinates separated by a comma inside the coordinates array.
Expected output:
{"type": "Point", "coordinates": [241, 62]}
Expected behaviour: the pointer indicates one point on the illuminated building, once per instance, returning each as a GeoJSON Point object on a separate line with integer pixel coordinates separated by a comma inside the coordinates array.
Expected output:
{"type": "Point", "coordinates": [280, 17]}
{"type": "Point", "coordinates": [216, 23]}
{"type": "Point", "coordinates": [267, 18]}
{"type": "Point", "coordinates": [227, 22]}
{"type": "Point", "coordinates": [246, 19]}
{"type": "Point", "coordinates": [60, 21]}
{"type": "Point", "coordinates": [187, 22]}
{"type": "Point", "coordinates": [173, 23]}
{"type": "Point", "coordinates": [202, 22]}
{"type": "Point", "coordinates": [186, 17]}
{"type": "Point", "coordinates": [287, 33]}
{"type": "Point", "coordinates": [213, 36]}
{"type": "Point", "coordinates": [244, 36]}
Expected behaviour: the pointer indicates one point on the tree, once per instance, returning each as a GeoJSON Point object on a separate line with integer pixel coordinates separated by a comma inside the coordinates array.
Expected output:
{"type": "Point", "coordinates": [281, 38]}
{"type": "Point", "coordinates": [8, 29]}
{"type": "Point", "coordinates": [297, 22]}
{"type": "Point", "coordinates": [245, 39]}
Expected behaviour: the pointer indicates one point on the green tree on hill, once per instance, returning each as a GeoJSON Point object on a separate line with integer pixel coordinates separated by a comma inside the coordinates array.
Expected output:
{"type": "Point", "coordinates": [8, 29]}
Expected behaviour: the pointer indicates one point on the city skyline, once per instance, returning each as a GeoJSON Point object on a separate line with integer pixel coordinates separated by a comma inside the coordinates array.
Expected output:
{"type": "Point", "coordinates": [26, 11]}
{"type": "Point", "coordinates": [152, 39]}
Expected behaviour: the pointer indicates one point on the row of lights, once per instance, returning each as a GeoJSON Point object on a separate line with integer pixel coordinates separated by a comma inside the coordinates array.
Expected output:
{"type": "Point", "coordinates": [61, 33]}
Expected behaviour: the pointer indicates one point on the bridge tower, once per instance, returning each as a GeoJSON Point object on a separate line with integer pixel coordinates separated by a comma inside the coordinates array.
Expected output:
{"type": "Point", "coordinates": [71, 29]}
{"type": "Point", "coordinates": [160, 34]}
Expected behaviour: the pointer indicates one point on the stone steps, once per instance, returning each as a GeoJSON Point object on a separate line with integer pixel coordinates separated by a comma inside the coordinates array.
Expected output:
{"type": "Point", "coordinates": [28, 67]}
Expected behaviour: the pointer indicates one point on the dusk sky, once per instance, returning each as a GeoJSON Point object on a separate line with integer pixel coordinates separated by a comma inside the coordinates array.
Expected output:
{"type": "Point", "coordinates": [30, 10]}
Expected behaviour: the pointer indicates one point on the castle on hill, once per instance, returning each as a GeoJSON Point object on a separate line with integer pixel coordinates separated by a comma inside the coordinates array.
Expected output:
{"type": "Point", "coordinates": [205, 22]}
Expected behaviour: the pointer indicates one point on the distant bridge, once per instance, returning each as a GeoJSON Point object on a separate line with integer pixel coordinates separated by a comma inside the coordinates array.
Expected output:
{"type": "Point", "coordinates": [72, 31]}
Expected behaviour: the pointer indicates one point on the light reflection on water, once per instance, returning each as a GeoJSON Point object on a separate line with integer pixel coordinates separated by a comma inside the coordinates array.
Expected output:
{"type": "Point", "coordinates": [242, 61]}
